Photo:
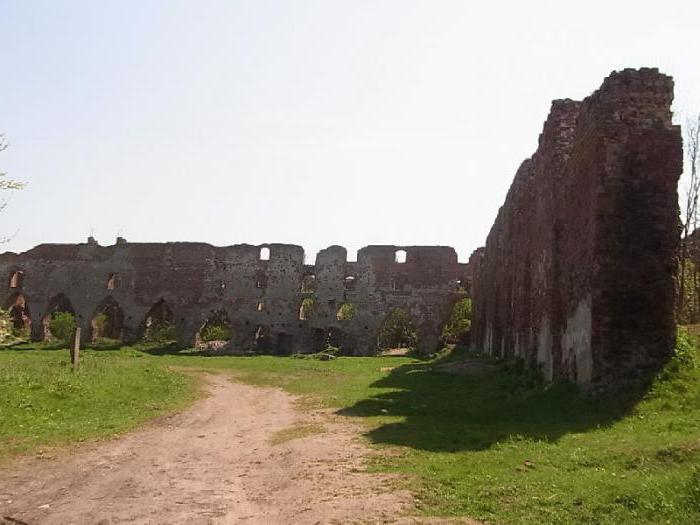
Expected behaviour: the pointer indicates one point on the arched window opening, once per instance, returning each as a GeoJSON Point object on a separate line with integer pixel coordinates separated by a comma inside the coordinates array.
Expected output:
{"type": "Point", "coordinates": [346, 312]}
{"type": "Point", "coordinates": [400, 256]}
{"type": "Point", "coordinates": [17, 279]}
{"type": "Point", "coordinates": [264, 253]}
{"type": "Point", "coordinates": [349, 283]}
{"type": "Point", "coordinates": [107, 323]}
{"type": "Point", "coordinates": [397, 332]}
{"type": "Point", "coordinates": [308, 283]}
{"type": "Point", "coordinates": [306, 310]}
{"type": "Point", "coordinates": [260, 307]}
{"type": "Point", "coordinates": [112, 281]}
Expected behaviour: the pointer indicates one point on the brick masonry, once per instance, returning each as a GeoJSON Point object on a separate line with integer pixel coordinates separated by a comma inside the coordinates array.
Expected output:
{"type": "Point", "coordinates": [578, 272]}
{"type": "Point", "coordinates": [197, 282]}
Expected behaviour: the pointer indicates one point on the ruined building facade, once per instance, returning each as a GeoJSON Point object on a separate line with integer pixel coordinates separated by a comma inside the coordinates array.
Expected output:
{"type": "Point", "coordinates": [257, 290]}
{"type": "Point", "coordinates": [577, 275]}
{"type": "Point", "coordinates": [578, 271]}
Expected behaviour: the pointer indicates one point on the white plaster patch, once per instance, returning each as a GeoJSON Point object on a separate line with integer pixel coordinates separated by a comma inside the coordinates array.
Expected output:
{"type": "Point", "coordinates": [544, 348]}
{"type": "Point", "coordinates": [576, 341]}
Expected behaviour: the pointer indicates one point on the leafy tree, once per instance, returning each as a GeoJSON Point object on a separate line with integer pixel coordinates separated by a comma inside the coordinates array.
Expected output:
{"type": "Point", "coordinates": [397, 331]}
{"type": "Point", "coordinates": [62, 326]}
{"type": "Point", "coordinates": [457, 328]}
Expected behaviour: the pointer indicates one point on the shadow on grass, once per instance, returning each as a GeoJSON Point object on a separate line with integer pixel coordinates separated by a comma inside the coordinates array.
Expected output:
{"type": "Point", "coordinates": [448, 413]}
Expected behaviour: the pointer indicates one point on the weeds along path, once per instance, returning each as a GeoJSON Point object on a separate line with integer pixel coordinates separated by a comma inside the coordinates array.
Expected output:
{"type": "Point", "coordinates": [242, 454]}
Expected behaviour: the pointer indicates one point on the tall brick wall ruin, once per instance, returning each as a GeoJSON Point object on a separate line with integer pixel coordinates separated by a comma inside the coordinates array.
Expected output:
{"type": "Point", "coordinates": [577, 274]}
{"type": "Point", "coordinates": [260, 297]}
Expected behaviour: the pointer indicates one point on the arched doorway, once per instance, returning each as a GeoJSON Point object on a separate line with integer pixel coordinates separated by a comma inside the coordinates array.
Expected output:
{"type": "Point", "coordinates": [108, 321]}
{"type": "Point", "coordinates": [59, 318]}
{"type": "Point", "coordinates": [216, 330]}
{"type": "Point", "coordinates": [397, 331]}
{"type": "Point", "coordinates": [159, 325]}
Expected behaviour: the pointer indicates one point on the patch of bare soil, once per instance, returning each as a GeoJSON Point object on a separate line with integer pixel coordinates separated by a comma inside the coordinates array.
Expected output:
{"type": "Point", "coordinates": [242, 454]}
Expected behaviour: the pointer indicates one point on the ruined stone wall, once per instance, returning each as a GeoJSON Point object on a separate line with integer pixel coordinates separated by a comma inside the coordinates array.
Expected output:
{"type": "Point", "coordinates": [577, 275]}
{"type": "Point", "coordinates": [197, 281]}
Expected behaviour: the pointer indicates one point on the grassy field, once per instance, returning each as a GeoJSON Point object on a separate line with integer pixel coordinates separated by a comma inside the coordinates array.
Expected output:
{"type": "Point", "coordinates": [495, 444]}
{"type": "Point", "coordinates": [44, 402]}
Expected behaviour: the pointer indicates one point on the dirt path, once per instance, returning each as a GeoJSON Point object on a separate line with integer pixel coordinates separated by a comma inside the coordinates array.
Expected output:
{"type": "Point", "coordinates": [228, 459]}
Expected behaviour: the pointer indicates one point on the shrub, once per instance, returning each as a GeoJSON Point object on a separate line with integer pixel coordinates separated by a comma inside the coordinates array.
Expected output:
{"type": "Point", "coordinates": [215, 332]}
{"type": "Point", "coordinates": [160, 332]}
{"type": "Point", "coordinates": [306, 311]}
{"type": "Point", "coordinates": [346, 312]}
{"type": "Point", "coordinates": [62, 326]}
{"type": "Point", "coordinates": [460, 322]}
{"type": "Point", "coordinates": [6, 326]}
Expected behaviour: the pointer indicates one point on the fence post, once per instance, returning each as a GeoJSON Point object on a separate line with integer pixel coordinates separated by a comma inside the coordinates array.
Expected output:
{"type": "Point", "coordinates": [75, 351]}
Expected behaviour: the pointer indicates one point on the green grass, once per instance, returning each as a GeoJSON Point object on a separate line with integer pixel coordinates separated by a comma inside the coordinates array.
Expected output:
{"type": "Point", "coordinates": [502, 447]}
{"type": "Point", "coordinates": [495, 445]}
{"type": "Point", "coordinates": [44, 402]}
{"type": "Point", "coordinates": [297, 431]}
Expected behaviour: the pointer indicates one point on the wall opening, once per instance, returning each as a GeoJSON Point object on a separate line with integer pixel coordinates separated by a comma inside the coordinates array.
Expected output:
{"type": "Point", "coordinates": [216, 330]}
{"type": "Point", "coordinates": [457, 328]}
{"type": "Point", "coordinates": [112, 281]}
{"type": "Point", "coordinates": [346, 312]}
{"type": "Point", "coordinates": [306, 310]}
{"type": "Point", "coordinates": [107, 322]}
{"type": "Point", "coordinates": [334, 337]}
{"type": "Point", "coordinates": [262, 340]}
{"type": "Point", "coordinates": [260, 307]}
{"type": "Point", "coordinates": [264, 253]}
{"type": "Point", "coordinates": [349, 283]}
{"type": "Point", "coordinates": [17, 279]}
{"type": "Point", "coordinates": [397, 332]}
{"type": "Point", "coordinates": [260, 280]}
{"type": "Point", "coordinates": [308, 283]}
{"type": "Point", "coordinates": [159, 325]}
{"type": "Point", "coordinates": [18, 309]}
{"type": "Point", "coordinates": [59, 319]}
{"type": "Point", "coordinates": [400, 256]}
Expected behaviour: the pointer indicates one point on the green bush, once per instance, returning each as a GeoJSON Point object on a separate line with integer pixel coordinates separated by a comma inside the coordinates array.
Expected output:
{"type": "Point", "coordinates": [215, 332]}
{"type": "Point", "coordinates": [6, 326]}
{"type": "Point", "coordinates": [686, 353]}
{"type": "Point", "coordinates": [62, 326]}
{"type": "Point", "coordinates": [460, 322]}
{"type": "Point", "coordinates": [306, 311]}
{"type": "Point", "coordinates": [161, 332]}
{"type": "Point", "coordinates": [346, 312]}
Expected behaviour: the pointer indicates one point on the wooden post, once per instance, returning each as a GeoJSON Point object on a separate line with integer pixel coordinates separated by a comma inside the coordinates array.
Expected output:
{"type": "Point", "coordinates": [75, 351]}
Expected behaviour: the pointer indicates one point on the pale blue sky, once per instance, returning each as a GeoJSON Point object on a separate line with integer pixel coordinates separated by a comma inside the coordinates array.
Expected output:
{"type": "Point", "coordinates": [312, 122]}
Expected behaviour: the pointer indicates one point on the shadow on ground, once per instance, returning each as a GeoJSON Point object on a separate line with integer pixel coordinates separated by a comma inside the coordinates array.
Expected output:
{"type": "Point", "coordinates": [452, 412]}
